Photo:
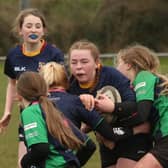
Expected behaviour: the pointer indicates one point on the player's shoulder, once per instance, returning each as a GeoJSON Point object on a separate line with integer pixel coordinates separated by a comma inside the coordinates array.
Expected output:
{"type": "Point", "coordinates": [109, 70]}
{"type": "Point", "coordinates": [111, 73]}
{"type": "Point", "coordinates": [145, 76]}
{"type": "Point", "coordinates": [73, 99]}
{"type": "Point", "coordinates": [54, 52]}
{"type": "Point", "coordinates": [14, 51]}
{"type": "Point", "coordinates": [32, 110]}
{"type": "Point", "coordinates": [53, 48]}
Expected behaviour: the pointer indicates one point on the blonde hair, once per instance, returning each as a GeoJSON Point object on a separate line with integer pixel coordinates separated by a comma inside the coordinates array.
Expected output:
{"type": "Point", "coordinates": [143, 58]}
{"type": "Point", "coordinates": [24, 13]}
{"type": "Point", "coordinates": [32, 86]}
{"type": "Point", "coordinates": [55, 75]}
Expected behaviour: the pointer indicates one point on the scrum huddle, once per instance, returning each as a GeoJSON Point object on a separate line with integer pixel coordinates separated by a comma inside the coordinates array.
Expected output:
{"type": "Point", "coordinates": [125, 106]}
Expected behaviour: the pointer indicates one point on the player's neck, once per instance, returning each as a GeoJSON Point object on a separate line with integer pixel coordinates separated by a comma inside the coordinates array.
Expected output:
{"type": "Point", "coordinates": [29, 47]}
{"type": "Point", "coordinates": [25, 102]}
{"type": "Point", "coordinates": [87, 85]}
{"type": "Point", "coordinates": [132, 76]}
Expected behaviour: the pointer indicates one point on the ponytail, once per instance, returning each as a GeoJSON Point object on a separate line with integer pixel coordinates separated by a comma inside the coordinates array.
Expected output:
{"type": "Point", "coordinates": [57, 125]}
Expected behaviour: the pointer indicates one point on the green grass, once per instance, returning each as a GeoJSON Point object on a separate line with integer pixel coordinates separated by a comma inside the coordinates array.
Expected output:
{"type": "Point", "coordinates": [8, 140]}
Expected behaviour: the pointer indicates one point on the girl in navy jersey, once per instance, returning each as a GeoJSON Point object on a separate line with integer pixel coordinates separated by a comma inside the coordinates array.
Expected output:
{"type": "Point", "coordinates": [140, 65]}
{"type": "Point", "coordinates": [28, 56]}
{"type": "Point", "coordinates": [88, 76]}
{"type": "Point", "coordinates": [30, 25]}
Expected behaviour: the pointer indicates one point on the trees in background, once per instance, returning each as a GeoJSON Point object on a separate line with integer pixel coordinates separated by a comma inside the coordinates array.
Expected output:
{"type": "Point", "coordinates": [111, 24]}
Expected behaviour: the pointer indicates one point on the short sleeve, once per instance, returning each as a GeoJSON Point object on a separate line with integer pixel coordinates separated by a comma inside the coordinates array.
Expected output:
{"type": "Point", "coordinates": [34, 126]}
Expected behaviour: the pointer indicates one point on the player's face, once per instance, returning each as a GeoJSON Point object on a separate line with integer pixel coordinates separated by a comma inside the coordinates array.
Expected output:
{"type": "Point", "coordinates": [82, 65]}
{"type": "Point", "coordinates": [32, 29]}
{"type": "Point", "coordinates": [123, 67]}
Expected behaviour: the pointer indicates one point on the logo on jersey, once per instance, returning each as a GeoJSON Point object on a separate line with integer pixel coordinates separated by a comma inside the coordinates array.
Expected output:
{"type": "Point", "coordinates": [139, 85]}
{"type": "Point", "coordinates": [33, 167]}
{"type": "Point", "coordinates": [141, 152]}
{"type": "Point", "coordinates": [118, 131]}
{"type": "Point", "coordinates": [19, 68]}
{"type": "Point", "coordinates": [30, 126]}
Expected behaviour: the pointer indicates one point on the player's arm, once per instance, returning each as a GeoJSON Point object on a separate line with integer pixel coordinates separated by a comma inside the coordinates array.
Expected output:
{"type": "Point", "coordinates": [10, 96]}
{"type": "Point", "coordinates": [121, 110]}
{"type": "Point", "coordinates": [86, 151]}
{"type": "Point", "coordinates": [129, 113]}
{"type": "Point", "coordinates": [139, 114]}
{"type": "Point", "coordinates": [113, 133]}
{"type": "Point", "coordinates": [37, 154]}
{"type": "Point", "coordinates": [125, 109]}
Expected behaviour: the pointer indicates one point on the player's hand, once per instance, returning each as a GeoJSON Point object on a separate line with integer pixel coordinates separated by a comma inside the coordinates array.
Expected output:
{"type": "Point", "coordinates": [4, 121]}
{"type": "Point", "coordinates": [85, 128]}
{"type": "Point", "coordinates": [104, 104]}
{"type": "Point", "coordinates": [88, 101]}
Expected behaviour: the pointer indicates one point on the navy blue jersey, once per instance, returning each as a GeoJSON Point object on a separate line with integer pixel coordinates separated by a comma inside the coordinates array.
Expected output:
{"type": "Point", "coordinates": [108, 76]}
{"type": "Point", "coordinates": [73, 109]}
{"type": "Point", "coordinates": [16, 62]}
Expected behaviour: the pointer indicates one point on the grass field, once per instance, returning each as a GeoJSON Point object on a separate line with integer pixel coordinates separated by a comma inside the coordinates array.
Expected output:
{"type": "Point", "coordinates": [8, 140]}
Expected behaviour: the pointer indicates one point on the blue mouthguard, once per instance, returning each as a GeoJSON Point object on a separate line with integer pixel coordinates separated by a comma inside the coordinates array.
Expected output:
{"type": "Point", "coordinates": [33, 36]}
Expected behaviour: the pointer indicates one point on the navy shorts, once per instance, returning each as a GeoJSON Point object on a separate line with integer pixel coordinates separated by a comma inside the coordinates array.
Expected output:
{"type": "Point", "coordinates": [133, 148]}
{"type": "Point", "coordinates": [160, 151]}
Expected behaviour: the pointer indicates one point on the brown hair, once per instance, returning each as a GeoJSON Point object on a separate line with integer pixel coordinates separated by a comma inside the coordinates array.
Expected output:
{"type": "Point", "coordinates": [143, 58]}
{"type": "Point", "coordinates": [55, 75]}
{"type": "Point", "coordinates": [140, 57]}
{"type": "Point", "coordinates": [21, 16]}
{"type": "Point", "coordinates": [32, 87]}
{"type": "Point", "coordinates": [85, 44]}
